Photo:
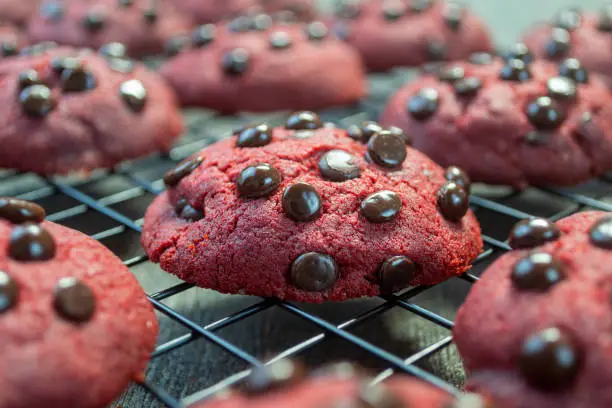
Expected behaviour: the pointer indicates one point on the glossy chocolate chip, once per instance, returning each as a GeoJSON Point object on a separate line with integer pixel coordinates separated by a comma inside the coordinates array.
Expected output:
{"type": "Point", "coordinates": [436, 50]}
{"type": "Point", "coordinates": [73, 300]}
{"type": "Point", "coordinates": [393, 10]}
{"type": "Point", "coordinates": [316, 31]}
{"type": "Point", "coordinates": [537, 138]}
{"type": "Point", "coordinates": [349, 10]}
{"type": "Point", "coordinates": [468, 86]}
{"type": "Point", "coordinates": [519, 51]}
{"type": "Point", "coordinates": [254, 136]}
{"type": "Point", "coordinates": [355, 133]}
{"type": "Point", "coordinates": [258, 180]}
{"type": "Point", "coordinates": [569, 19]}
{"type": "Point", "coordinates": [28, 78]}
{"type": "Point", "coordinates": [368, 129]}
{"type": "Point", "coordinates": [558, 45]}
{"type": "Point", "coordinates": [304, 120]}
{"type": "Point", "coordinates": [423, 104]}
{"type": "Point", "coordinates": [515, 70]}
{"type": "Point", "coordinates": [19, 211]}
{"type": "Point", "coordinates": [9, 292]}
{"type": "Point", "coordinates": [549, 360]}
{"type": "Point", "coordinates": [480, 58]}
{"type": "Point", "coordinates": [123, 65]}
{"type": "Point", "coordinates": [37, 101]}
{"type": "Point", "coordinates": [451, 74]}
{"type": "Point", "coordinates": [562, 88]}
{"type": "Point", "coordinates": [175, 45]}
{"type": "Point", "coordinates": [184, 210]}
{"type": "Point", "coordinates": [38, 49]}
{"type": "Point", "coordinates": [572, 68]}
{"type": "Point", "coordinates": [31, 242]}
{"type": "Point", "coordinates": [383, 206]}
{"type": "Point", "coordinates": [280, 40]}
{"type": "Point", "coordinates": [605, 19]}
{"type": "Point", "coordinates": [278, 374]}
{"type": "Point", "coordinates": [313, 272]}
{"type": "Point", "coordinates": [113, 50]}
{"type": "Point", "coordinates": [533, 232]}
{"type": "Point", "coordinates": [235, 62]}
{"type": "Point", "coordinates": [134, 94]}
{"type": "Point", "coordinates": [544, 113]}
{"type": "Point", "coordinates": [52, 11]}
{"type": "Point", "coordinates": [459, 177]}
{"type": "Point", "coordinates": [537, 272]}
{"type": "Point", "coordinates": [338, 165]}
{"type": "Point", "coordinates": [396, 273]}
{"type": "Point", "coordinates": [59, 64]}
{"type": "Point", "coordinates": [8, 48]}
{"type": "Point", "coordinates": [261, 22]}
{"type": "Point", "coordinates": [94, 21]}
{"type": "Point", "coordinates": [453, 201]}
{"type": "Point", "coordinates": [395, 131]}
{"type": "Point", "coordinates": [301, 202]}
{"type": "Point", "coordinates": [241, 24]}
{"type": "Point", "coordinates": [387, 150]}
{"type": "Point", "coordinates": [150, 15]}
{"type": "Point", "coordinates": [203, 35]}
{"type": "Point", "coordinates": [601, 233]}
{"type": "Point", "coordinates": [419, 6]}
{"type": "Point", "coordinates": [182, 170]}
{"type": "Point", "coordinates": [453, 15]}
{"type": "Point", "coordinates": [377, 396]}
{"type": "Point", "coordinates": [78, 79]}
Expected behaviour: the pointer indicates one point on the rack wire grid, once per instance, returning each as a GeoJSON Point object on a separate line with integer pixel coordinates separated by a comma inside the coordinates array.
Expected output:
{"type": "Point", "coordinates": [109, 206]}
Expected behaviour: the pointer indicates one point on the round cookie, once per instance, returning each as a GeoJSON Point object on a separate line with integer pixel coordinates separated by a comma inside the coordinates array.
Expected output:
{"type": "Point", "coordinates": [75, 325]}
{"type": "Point", "coordinates": [299, 212]}
{"type": "Point", "coordinates": [572, 34]}
{"type": "Point", "coordinates": [17, 12]}
{"type": "Point", "coordinates": [285, 383]}
{"type": "Point", "coordinates": [410, 33]}
{"type": "Point", "coordinates": [229, 67]}
{"type": "Point", "coordinates": [534, 330]}
{"type": "Point", "coordinates": [143, 26]}
{"type": "Point", "coordinates": [509, 122]}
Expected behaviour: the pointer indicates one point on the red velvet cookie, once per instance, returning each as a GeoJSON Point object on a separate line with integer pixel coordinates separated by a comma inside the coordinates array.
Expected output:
{"type": "Point", "coordinates": [586, 37]}
{"type": "Point", "coordinates": [285, 384]}
{"type": "Point", "coordinates": [393, 33]}
{"type": "Point", "coordinates": [509, 122]}
{"type": "Point", "coordinates": [143, 26]}
{"type": "Point", "coordinates": [67, 110]}
{"type": "Point", "coordinates": [242, 66]}
{"type": "Point", "coordinates": [17, 11]}
{"type": "Point", "coordinates": [75, 326]}
{"type": "Point", "coordinates": [534, 331]}
{"type": "Point", "coordinates": [305, 213]}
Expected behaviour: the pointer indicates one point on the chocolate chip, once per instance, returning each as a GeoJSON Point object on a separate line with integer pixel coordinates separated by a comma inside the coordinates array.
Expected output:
{"type": "Point", "coordinates": [605, 19]}
{"type": "Point", "coordinates": [280, 40]}
{"type": "Point", "coordinates": [28, 78]}
{"type": "Point", "coordinates": [122, 65]}
{"type": "Point", "coordinates": [254, 136]}
{"type": "Point", "coordinates": [313, 272]}
{"type": "Point", "coordinates": [338, 165]}
{"type": "Point", "coordinates": [558, 45]}
{"type": "Point", "coordinates": [59, 64]}
{"type": "Point", "coordinates": [537, 138]}
{"type": "Point", "coordinates": [51, 11]}
{"type": "Point", "coordinates": [301, 202]}
{"type": "Point", "coordinates": [480, 58]}
{"type": "Point", "coordinates": [182, 170]}
{"type": "Point", "coordinates": [468, 86]}
{"type": "Point", "coordinates": [258, 180]}
{"type": "Point", "coordinates": [316, 31]}
{"type": "Point", "coordinates": [286, 17]}
{"type": "Point", "coordinates": [569, 19]}
{"type": "Point", "coordinates": [544, 113]}
{"type": "Point", "coordinates": [235, 62]}
{"type": "Point", "coordinates": [459, 177]}
{"type": "Point", "coordinates": [304, 120]}
{"type": "Point", "coordinates": [19, 211]}
{"type": "Point", "coordinates": [393, 10]}
{"type": "Point", "coordinates": [341, 370]}
{"type": "Point", "coordinates": [395, 131]}
{"type": "Point", "coordinates": [8, 48]}
{"type": "Point", "coordinates": [396, 273]}
{"type": "Point", "coordinates": [355, 133]}
{"type": "Point", "coordinates": [38, 49]}
{"type": "Point", "coordinates": [515, 70]}
{"type": "Point", "coordinates": [424, 103]}
{"type": "Point", "coordinates": [94, 21]}
{"type": "Point", "coordinates": [113, 50]}
{"type": "Point", "coordinates": [31, 242]}
{"type": "Point", "coordinates": [537, 272]}
{"type": "Point", "coordinates": [241, 24]}
{"type": "Point", "coordinates": [73, 300]}
{"type": "Point", "coordinates": [125, 3]}
{"type": "Point", "coordinates": [368, 129]}
{"type": "Point", "coordinates": [383, 206]}
{"type": "Point", "coordinates": [175, 45]}
{"type": "Point", "coordinates": [533, 232]}
{"type": "Point", "coordinates": [572, 68]}
{"type": "Point", "coordinates": [349, 10]}
{"type": "Point", "coordinates": [549, 360]}
{"type": "Point", "coordinates": [601, 233]}
{"type": "Point", "coordinates": [436, 50]}
{"type": "Point", "coordinates": [134, 94]}
{"type": "Point", "coordinates": [78, 80]}
{"type": "Point", "coordinates": [150, 15]}
{"type": "Point", "coordinates": [419, 6]}
{"type": "Point", "coordinates": [184, 210]}
{"type": "Point", "coordinates": [453, 201]}
{"type": "Point", "coordinates": [37, 101]}
{"type": "Point", "coordinates": [453, 15]}
{"type": "Point", "coordinates": [261, 22]}
{"type": "Point", "coordinates": [9, 292]}
{"type": "Point", "coordinates": [203, 35]}
{"type": "Point", "coordinates": [562, 88]}
{"type": "Point", "coordinates": [387, 150]}
{"type": "Point", "coordinates": [451, 74]}
{"type": "Point", "coordinates": [377, 396]}
{"type": "Point", "coordinates": [519, 51]}
{"type": "Point", "coordinates": [278, 374]}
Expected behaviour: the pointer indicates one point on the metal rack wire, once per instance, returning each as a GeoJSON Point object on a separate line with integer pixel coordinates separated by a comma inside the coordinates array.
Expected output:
{"type": "Point", "coordinates": [110, 205]}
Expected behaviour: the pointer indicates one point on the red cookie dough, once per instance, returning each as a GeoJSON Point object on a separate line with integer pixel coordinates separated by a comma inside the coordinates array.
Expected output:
{"type": "Point", "coordinates": [17, 11]}
{"type": "Point", "coordinates": [409, 33]}
{"type": "Point", "coordinates": [75, 325]}
{"type": "Point", "coordinates": [81, 118]}
{"type": "Point", "coordinates": [509, 123]}
{"type": "Point", "coordinates": [278, 68]}
{"type": "Point", "coordinates": [143, 26]}
{"type": "Point", "coordinates": [268, 219]}
{"type": "Point", "coordinates": [534, 331]}
{"type": "Point", "coordinates": [586, 37]}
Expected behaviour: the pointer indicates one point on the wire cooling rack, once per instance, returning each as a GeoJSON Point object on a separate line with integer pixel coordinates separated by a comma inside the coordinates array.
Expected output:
{"type": "Point", "coordinates": [109, 206]}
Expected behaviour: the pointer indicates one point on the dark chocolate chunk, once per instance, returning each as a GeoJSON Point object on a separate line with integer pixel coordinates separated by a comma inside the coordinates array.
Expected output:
{"type": "Point", "coordinates": [184, 210]}
{"type": "Point", "coordinates": [258, 180]}
{"type": "Point", "coordinates": [533, 232]}
{"type": "Point", "coordinates": [562, 88]}
{"type": "Point", "coordinates": [175, 45]}
{"type": "Point", "coordinates": [383, 206]}
{"type": "Point", "coordinates": [459, 177]}
{"type": "Point", "coordinates": [386, 149]}
{"type": "Point", "coordinates": [9, 292]}
{"type": "Point", "coordinates": [77, 80]}
{"type": "Point", "coordinates": [316, 31]}
{"type": "Point", "coordinates": [203, 35]}
{"type": "Point", "coordinates": [338, 165]}
{"type": "Point", "coordinates": [480, 58]}
{"type": "Point", "coordinates": [601, 233]}
{"type": "Point", "coordinates": [544, 113]}
{"type": "Point", "coordinates": [569, 19]}
{"type": "Point", "coordinates": [37, 101]}
{"type": "Point", "coordinates": [254, 136]}
{"type": "Point", "coordinates": [280, 40]}
{"type": "Point", "coordinates": [572, 68]}
{"type": "Point", "coordinates": [451, 74]}
{"type": "Point", "coordinates": [301, 202]}
{"type": "Point", "coordinates": [423, 104]}
{"type": "Point", "coordinates": [304, 120]}
{"type": "Point", "coordinates": [52, 10]}
{"type": "Point", "coordinates": [182, 170]}
{"type": "Point", "coordinates": [278, 374]}
{"type": "Point", "coordinates": [453, 201]}
{"type": "Point", "coordinates": [113, 50]}
{"type": "Point", "coordinates": [436, 50]}
{"type": "Point", "coordinates": [453, 15]}
{"type": "Point", "coordinates": [235, 62]}
{"type": "Point", "coordinates": [28, 78]}
{"type": "Point", "coordinates": [515, 70]}
{"type": "Point", "coordinates": [519, 51]}
{"type": "Point", "coordinates": [313, 272]}
{"type": "Point", "coordinates": [73, 300]}
{"type": "Point", "coordinates": [19, 211]}
{"type": "Point", "coordinates": [537, 272]}
{"type": "Point", "coordinates": [396, 273]}
{"type": "Point", "coordinates": [468, 86]}
{"type": "Point", "coordinates": [94, 21]}
{"type": "Point", "coordinates": [558, 45]}
{"type": "Point", "coordinates": [31, 242]}
{"type": "Point", "coordinates": [134, 94]}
